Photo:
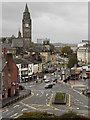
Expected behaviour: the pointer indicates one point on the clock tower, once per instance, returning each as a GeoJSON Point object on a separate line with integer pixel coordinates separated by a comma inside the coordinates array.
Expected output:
{"type": "Point", "coordinates": [26, 28]}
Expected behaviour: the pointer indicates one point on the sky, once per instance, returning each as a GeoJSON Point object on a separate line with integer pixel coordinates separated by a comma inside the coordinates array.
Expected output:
{"type": "Point", "coordinates": [61, 22]}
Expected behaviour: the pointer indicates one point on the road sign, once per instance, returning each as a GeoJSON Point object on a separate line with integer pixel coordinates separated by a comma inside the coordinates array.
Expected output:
{"type": "Point", "coordinates": [74, 101]}
{"type": "Point", "coordinates": [29, 86]}
{"type": "Point", "coordinates": [56, 87]}
{"type": "Point", "coordinates": [34, 82]}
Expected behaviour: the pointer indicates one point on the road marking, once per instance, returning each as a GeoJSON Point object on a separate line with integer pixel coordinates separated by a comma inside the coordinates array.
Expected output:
{"type": "Point", "coordinates": [31, 106]}
{"type": "Point", "coordinates": [37, 94]}
{"type": "Point", "coordinates": [14, 115]}
{"type": "Point", "coordinates": [76, 91]}
{"type": "Point", "coordinates": [16, 106]}
{"type": "Point", "coordinates": [77, 108]}
{"type": "Point", "coordinates": [17, 102]}
{"type": "Point", "coordinates": [46, 95]}
{"type": "Point", "coordinates": [51, 99]}
{"type": "Point", "coordinates": [24, 109]}
{"type": "Point", "coordinates": [5, 111]}
{"type": "Point", "coordinates": [18, 115]}
{"type": "Point", "coordinates": [69, 100]}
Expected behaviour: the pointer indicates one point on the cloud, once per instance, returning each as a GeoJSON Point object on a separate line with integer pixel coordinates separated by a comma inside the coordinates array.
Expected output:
{"type": "Point", "coordinates": [64, 22]}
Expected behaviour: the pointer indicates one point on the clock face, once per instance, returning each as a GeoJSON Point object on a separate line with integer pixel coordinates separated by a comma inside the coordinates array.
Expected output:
{"type": "Point", "coordinates": [26, 25]}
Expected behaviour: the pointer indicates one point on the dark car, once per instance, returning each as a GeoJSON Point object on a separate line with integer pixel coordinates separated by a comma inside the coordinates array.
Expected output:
{"type": "Point", "coordinates": [48, 86]}
{"type": "Point", "coordinates": [21, 87]}
{"type": "Point", "coordinates": [86, 92]}
{"type": "Point", "coordinates": [54, 80]}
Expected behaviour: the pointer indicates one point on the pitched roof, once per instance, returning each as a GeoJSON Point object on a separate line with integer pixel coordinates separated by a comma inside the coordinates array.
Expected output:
{"type": "Point", "coordinates": [18, 42]}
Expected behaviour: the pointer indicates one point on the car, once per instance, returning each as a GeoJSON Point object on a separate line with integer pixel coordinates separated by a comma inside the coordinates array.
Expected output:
{"type": "Point", "coordinates": [85, 77]}
{"type": "Point", "coordinates": [46, 81]}
{"type": "Point", "coordinates": [21, 87]}
{"type": "Point", "coordinates": [48, 86]}
{"type": "Point", "coordinates": [86, 92]}
{"type": "Point", "coordinates": [54, 80]}
{"type": "Point", "coordinates": [53, 83]}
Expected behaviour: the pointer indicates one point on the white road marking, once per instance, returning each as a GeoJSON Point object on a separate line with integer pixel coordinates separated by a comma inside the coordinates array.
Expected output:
{"type": "Point", "coordinates": [24, 109]}
{"type": "Point", "coordinates": [37, 94]}
{"type": "Point", "coordinates": [46, 94]}
{"type": "Point", "coordinates": [76, 91]}
{"type": "Point", "coordinates": [5, 111]}
{"type": "Point", "coordinates": [10, 112]}
{"type": "Point", "coordinates": [14, 115]}
{"type": "Point", "coordinates": [16, 106]}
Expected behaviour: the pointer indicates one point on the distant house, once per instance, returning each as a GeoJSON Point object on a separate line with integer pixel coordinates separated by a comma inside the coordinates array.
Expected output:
{"type": "Point", "coordinates": [9, 77]}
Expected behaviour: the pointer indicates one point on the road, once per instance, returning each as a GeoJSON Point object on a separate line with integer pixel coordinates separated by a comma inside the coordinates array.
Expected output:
{"type": "Point", "coordinates": [41, 100]}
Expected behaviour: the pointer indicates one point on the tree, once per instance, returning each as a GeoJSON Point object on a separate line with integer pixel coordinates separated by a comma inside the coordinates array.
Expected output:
{"type": "Point", "coordinates": [3, 40]}
{"type": "Point", "coordinates": [66, 50]}
{"type": "Point", "coordinates": [72, 60]}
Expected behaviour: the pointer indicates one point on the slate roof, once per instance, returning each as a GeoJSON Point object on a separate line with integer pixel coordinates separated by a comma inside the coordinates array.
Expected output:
{"type": "Point", "coordinates": [18, 42]}
{"type": "Point", "coordinates": [21, 61]}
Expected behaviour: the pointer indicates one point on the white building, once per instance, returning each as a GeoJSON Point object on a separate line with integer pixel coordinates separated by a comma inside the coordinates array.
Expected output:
{"type": "Point", "coordinates": [25, 69]}
{"type": "Point", "coordinates": [83, 52]}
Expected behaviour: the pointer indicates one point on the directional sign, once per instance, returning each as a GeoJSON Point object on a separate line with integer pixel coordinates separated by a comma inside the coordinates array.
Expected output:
{"type": "Point", "coordinates": [74, 101]}
{"type": "Point", "coordinates": [29, 86]}
{"type": "Point", "coordinates": [34, 82]}
{"type": "Point", "coordinates": [56, 87]}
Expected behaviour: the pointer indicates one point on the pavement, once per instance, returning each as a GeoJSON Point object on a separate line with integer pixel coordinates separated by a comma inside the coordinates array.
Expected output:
{"type": "Point", "coordinates": [13, 99]}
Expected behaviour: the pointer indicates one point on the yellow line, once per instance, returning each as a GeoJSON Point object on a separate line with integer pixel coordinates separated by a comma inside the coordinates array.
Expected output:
{"type": "Point", "coordinates": [28, 97]}
{"type": "Point", "coordinates": [18, 115]}
{"type": "Point", "coordinates": [17, 102]}
{"type": "Point", "coordinates": [50, 99]}
{"type": "Point", "coordinates": [69, 100]}
{"type": "Point", "coordinates": [30, 106]}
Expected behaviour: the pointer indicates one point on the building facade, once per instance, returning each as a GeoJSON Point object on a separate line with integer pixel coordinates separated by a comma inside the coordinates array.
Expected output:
{"type": "Point", "coordinates": [9, 78]}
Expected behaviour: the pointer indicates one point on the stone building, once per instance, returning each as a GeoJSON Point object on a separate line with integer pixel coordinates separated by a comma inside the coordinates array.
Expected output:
{"type": "Point", "coordinates": [26, 28]}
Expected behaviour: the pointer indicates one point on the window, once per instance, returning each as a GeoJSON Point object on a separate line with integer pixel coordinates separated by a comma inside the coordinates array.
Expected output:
{"type": "Point", "coordinates": [9, 74]}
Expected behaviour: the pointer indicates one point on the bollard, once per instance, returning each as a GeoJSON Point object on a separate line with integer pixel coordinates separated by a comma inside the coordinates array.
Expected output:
{"type": "Point", "coordinates": [70, 108]}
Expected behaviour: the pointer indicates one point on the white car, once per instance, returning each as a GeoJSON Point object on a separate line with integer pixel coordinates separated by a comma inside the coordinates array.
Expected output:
{"type": "Point", "coordinates": [46, 81]}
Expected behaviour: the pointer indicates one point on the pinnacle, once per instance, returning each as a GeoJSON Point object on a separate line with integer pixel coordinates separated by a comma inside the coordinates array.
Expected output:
{"type": "Point", "coordinates": [26, 8]}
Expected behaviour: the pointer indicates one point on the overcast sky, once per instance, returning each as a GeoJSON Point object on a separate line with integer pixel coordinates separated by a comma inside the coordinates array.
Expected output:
{"type": "Point", "coordinates": [63, 22]}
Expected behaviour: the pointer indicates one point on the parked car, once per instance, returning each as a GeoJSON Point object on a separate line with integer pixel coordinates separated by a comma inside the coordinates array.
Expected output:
{"type": "Point", "coordinates": [46, 81]}
{"type": "Point", "coordinates": [21, 87]}
{"type": "Point", "coordinates": [85, 77]}
{"type": "Point", "coordinates": [48, 86]}
{"type": "Point", "coordinates": [54, 80]}
{"type": "Point", "coordinates": [86, 92]}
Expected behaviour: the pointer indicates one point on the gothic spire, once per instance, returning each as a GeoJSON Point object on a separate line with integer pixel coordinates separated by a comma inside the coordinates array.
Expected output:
{"type": "Point", "coordinates": [19, 33]}
{"type": "Point", "coordinates": [26, 8]}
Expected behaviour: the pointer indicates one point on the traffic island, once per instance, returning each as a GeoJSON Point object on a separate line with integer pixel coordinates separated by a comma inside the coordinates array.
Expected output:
{"type": "Point", "coordinates": [60, 98]}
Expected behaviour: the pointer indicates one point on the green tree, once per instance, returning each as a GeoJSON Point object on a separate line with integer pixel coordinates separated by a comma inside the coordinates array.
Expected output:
{"type": "Point", "coordinates": [3, 40]}
{"type": "Point", "coordinates": [66, 49]}
{"type": "Point", "coordinates": [72, 60]}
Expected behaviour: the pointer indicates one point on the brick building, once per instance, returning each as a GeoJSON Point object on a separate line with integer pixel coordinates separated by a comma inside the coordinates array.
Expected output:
{"type": "Point", "coordinates": [9, 77]}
